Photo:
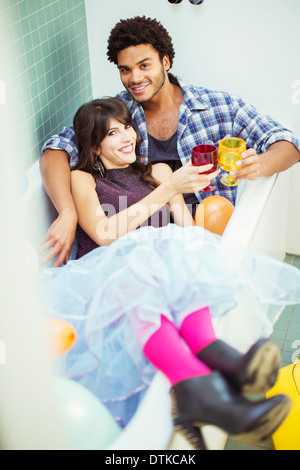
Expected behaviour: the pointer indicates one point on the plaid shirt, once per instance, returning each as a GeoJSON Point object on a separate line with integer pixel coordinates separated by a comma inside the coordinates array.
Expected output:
{"type": "Point", "coordinates": [204, 116]}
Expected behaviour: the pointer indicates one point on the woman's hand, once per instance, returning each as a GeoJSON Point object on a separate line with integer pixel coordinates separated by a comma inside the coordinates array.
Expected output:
{"type": "Point", "coordinates": [190, 178]}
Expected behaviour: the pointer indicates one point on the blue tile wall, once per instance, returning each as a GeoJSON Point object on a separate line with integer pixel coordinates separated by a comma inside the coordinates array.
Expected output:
{"type": "Point", "coordinates": [47, 76]}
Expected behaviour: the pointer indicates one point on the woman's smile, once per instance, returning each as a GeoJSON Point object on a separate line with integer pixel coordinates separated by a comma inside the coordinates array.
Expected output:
{"type": "Point", "coordinates": [127, 149]}
{"type": "Point", "coordinates": [117, 149]}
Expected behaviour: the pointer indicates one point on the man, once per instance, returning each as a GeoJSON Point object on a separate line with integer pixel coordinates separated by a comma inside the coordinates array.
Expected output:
{"type": "Point", "coordinates": [172, 117]}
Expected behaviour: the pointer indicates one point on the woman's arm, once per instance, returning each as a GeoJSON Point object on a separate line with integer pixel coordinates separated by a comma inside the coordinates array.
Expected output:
{"type": "Point", "coordinates": [104, 230]}
{"type": "Point", "coordinates": [179, 210]}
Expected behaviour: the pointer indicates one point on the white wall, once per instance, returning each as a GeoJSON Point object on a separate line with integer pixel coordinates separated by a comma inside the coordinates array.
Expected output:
{"type": "Point", "coordinates": [249, 48]}
{"type": "Point", "coordinates": [246, 47]}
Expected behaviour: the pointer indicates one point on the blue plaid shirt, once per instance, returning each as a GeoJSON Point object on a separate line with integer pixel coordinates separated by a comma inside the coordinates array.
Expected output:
{"type": "Point", "coordinates": [204, 116]}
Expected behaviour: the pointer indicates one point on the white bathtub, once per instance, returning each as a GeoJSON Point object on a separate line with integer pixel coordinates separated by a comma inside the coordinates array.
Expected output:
{"type": "Point", "coordinates": [259, 221]}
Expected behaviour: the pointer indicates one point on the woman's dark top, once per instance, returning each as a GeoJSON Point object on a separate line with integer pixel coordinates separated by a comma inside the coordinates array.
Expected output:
{"type": "Point", "coordinates": [165, 151]}
{"type": "Point", "coordinates": [119, 190]}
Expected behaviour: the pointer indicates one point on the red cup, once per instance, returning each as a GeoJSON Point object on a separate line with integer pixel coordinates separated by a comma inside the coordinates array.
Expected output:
{"type": "Point", "coordinates": [206, 154]}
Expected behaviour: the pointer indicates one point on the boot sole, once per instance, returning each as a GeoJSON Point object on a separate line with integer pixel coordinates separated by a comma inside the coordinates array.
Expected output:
{"type": "Point", "coordinates": [187, 437]}
{"type": "Point", "coordinates": [266, 425]}
{"type": "Point", "coordinates": [262, 368]}
{"type": "Point", "coordinates": [184, 439]}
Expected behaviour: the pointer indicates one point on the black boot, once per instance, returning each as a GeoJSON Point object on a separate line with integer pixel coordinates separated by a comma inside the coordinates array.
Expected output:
{"type": "Point", "coordinates": [211, 400]}
{"type": "Point", "coordinates": [253, 372]}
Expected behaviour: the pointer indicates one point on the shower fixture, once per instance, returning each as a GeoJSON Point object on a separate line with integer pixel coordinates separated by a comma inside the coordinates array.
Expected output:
{"type": "Point", "coordinates": [193, 2]}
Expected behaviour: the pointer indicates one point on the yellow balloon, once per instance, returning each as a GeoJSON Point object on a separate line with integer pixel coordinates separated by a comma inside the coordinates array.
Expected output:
{"type": "Point", "coordinates": [61, 334]}
{"type": "Point", "coordinates": [287, 436]}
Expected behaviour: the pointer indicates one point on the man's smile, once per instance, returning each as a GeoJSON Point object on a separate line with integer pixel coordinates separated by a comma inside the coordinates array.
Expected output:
{"type": "Point", "coordinates": [139, 88]}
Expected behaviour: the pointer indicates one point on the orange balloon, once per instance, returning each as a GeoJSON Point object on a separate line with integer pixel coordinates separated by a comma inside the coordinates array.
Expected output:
{"type": "Point", "coordinates": [213, 213]}
{"type": "Point", "coordinates": [62, 335]}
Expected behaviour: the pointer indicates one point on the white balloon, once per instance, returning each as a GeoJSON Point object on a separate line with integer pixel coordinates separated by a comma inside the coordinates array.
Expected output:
{"type": "Point", "coordinates": [86, 422]}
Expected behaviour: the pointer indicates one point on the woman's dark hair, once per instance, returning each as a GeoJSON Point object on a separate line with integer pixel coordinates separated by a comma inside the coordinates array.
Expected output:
{"type": "Point", "coordinates": [91, 125]}
{"type": "Point", "coordinates": [139, 30]}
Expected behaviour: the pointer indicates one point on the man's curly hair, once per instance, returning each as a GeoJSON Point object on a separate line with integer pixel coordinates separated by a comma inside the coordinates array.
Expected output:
{"type": "Point", "coordinates": [139, 30]}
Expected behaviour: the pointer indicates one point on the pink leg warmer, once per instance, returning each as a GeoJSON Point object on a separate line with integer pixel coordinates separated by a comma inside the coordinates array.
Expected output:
{"type": "Point", "coordinates": [166, 350]}
{"type": "Point", "coordinates": [197, 329]}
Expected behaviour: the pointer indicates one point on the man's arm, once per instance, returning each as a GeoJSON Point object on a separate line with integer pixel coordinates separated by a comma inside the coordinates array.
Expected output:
{"type": "Point", "coordinates": [279, 157]}
{"type": "Point", "coordinates": [56, 175]}
{"type": "Point", "coordinates": [272, 148]}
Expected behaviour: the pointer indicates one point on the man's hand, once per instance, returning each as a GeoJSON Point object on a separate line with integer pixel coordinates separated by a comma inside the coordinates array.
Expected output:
{"type": "Point", "coordinates": [60, 238]}
{"type": "Point", "coordinates": [56, 175]}
{"type": "Point", "coordinates": [279, 157]}
{"type": "Point", "coordinates": [249, 166]}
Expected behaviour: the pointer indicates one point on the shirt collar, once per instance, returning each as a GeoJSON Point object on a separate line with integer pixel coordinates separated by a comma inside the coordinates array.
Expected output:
{"type": "Point", "coordinates": [192, 100]}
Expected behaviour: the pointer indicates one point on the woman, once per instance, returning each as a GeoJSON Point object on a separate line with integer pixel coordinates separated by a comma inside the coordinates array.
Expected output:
{"type": "Point", "coordinates": [116, 158]}
{"type": "Point", "coordinates": [142, 298]}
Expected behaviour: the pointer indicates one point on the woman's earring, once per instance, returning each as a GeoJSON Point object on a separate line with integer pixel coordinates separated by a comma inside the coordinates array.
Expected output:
{"type": "Point", "coordinates": [99, 167]}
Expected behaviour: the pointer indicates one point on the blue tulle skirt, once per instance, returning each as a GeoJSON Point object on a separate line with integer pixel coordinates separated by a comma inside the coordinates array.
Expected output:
{"type": "Point", "coordinates": [114, 297]}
